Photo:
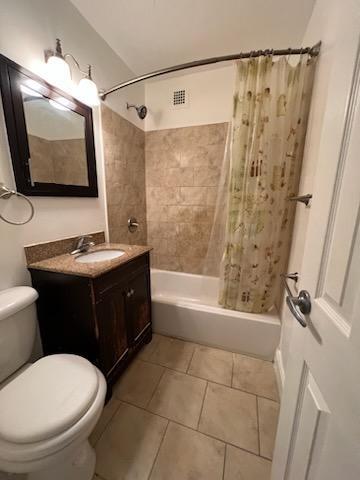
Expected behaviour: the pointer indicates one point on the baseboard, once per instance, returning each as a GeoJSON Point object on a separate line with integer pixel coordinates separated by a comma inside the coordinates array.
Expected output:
{"type": "Point", "coordinates": [279, 371]}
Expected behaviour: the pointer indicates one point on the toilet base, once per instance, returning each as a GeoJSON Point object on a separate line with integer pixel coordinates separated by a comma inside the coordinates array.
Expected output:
{"type": "Point", "coordinates": [79, 466]}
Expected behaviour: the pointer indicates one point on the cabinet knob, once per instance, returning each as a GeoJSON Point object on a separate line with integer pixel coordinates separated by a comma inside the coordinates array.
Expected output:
{"type": "Point", "coordinates": [130, 293]}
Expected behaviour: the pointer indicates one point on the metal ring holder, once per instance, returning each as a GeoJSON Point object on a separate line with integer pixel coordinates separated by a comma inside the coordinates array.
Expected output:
{"type": "Point", "coordinates": [5, 194]}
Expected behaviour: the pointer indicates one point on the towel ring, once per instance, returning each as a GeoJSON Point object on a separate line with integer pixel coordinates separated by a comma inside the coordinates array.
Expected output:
{"type": "Point", "coordinates": [5, 195]}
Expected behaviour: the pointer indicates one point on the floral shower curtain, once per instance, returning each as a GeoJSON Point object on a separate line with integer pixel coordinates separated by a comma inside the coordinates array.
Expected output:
{"type": "Point", "coordinates": [262, 169]}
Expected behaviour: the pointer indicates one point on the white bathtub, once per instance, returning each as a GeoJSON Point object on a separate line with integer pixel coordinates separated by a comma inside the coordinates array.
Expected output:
{"type": "Point", "coordinates": [185, 306]}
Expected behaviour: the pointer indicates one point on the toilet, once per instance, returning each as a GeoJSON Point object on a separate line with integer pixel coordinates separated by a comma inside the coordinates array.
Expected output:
{"type": "Point", "coordinates": [48, 408]}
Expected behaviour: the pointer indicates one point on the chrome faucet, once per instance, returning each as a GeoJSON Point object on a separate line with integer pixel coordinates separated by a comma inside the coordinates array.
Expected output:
{"type": "Point", "coordinates": [82, 244]}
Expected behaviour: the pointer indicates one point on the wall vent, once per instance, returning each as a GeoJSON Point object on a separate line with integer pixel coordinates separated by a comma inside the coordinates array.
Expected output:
{"type": "Point", "coordinates": [179, 98]}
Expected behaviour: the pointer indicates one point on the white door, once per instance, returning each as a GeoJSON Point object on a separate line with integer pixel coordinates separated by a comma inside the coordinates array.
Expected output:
{"type": "Point", "coordinates": [319, 426]}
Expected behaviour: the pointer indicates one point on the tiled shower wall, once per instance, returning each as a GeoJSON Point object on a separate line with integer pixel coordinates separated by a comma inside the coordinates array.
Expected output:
{"type": "Point", "coordinates": [182, 174]}
{"type": "Point", "coordinates": [58, 161]}
{"type": "Point", "coordinates": [124, 145]}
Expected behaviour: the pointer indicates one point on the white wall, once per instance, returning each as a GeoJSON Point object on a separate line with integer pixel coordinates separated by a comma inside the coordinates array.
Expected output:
{"type": "Point", "coordinates": [210, 99]}
{"type": "Point", "coordinates": [26, 29]}
{"type": "Point", "coordinates": [329, 23]}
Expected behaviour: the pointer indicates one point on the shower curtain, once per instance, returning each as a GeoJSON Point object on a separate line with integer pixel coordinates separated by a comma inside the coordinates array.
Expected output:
{"type": "Point", "coordinates": [253, 221]}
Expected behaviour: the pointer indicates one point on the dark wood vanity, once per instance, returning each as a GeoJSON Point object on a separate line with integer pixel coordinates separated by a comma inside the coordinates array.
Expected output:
{"type": "Point", "coordinates": [105, 318]}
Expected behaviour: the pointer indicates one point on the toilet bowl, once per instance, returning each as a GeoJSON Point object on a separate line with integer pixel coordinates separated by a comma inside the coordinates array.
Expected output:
{"type": "Point", "coordinates": [48, 408]}
{"type": "Point", "coordinates": [46, 416]}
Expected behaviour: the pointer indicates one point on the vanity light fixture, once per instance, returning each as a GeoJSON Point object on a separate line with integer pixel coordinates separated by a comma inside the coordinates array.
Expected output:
{"type": "Point", "coordinates": [59, 73]}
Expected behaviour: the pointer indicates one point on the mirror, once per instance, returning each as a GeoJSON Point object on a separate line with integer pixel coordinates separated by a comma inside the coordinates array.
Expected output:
{"type": "Point", "coordinates": [56, 137]}
{"type": "Point", "coordinates": [50, 136]}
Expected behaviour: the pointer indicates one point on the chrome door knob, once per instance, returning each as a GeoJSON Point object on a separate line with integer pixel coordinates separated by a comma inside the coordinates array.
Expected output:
{"type": "Point", "coordinates": [298, 305]}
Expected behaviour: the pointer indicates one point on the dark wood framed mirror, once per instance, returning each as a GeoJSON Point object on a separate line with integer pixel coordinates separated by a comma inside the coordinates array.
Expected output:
{"type": "Point", "coordinates": [50, 136]}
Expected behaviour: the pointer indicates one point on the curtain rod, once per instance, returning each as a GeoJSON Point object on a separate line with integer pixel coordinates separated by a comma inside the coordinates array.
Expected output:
{"type": "Point", "coordinates": [312, 51]}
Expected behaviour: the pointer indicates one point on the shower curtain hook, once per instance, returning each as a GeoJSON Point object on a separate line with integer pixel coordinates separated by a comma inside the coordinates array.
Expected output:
{"type": "Point", "coordinates": [288, 55]}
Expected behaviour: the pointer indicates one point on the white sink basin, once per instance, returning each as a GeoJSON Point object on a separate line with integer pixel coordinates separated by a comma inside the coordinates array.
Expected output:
{"type": "Point", "coordinates": [99, 256]}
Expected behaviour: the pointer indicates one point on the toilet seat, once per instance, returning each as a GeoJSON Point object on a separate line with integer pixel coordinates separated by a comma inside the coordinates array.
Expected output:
{"type": "Point", "coordinates": [27, 457]}
{"type": "Point", "coordinates": [47, 399]}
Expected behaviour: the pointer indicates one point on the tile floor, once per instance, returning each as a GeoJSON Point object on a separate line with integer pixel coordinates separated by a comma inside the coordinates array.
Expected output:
{"type": "Point", "coordinates": [187, 412]}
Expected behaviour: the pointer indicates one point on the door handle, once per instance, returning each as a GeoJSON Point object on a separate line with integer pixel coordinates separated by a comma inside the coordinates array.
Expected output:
{"type": "Point", "coordinates": [298, 305]}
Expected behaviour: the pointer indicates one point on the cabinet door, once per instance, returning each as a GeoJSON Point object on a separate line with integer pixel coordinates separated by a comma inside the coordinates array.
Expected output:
{"type": "Point", "coordinates": [111, 321]}
{"type": "Point", "coordinates": [138, 303]}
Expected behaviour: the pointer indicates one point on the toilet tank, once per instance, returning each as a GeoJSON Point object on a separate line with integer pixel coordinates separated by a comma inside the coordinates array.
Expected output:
{"type": "Point", "coordinates": [17, 328]}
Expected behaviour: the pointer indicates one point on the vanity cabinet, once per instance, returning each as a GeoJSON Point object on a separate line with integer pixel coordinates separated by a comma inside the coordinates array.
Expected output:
{"type": "Point", "coordinates": [106, 319]}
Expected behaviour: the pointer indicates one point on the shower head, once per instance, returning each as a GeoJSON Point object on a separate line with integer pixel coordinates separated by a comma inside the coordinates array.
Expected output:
{"type": "Point", "coordinates": [141, 110]}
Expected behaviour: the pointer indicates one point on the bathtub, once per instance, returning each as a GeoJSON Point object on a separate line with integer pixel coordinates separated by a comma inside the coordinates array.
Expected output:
{"type": "Point", "coordinates": [185, 306]}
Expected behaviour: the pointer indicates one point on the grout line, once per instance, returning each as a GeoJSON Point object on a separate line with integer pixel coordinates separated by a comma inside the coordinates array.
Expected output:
{"type": "Point", "coordinates": [202, 405]}
{"type": "Point", "coordinates": [212, 381]}
{"type": "Point", "coordinates": [196, 376]}
{"type": "Point", "coordinates": [256, 394]}
{"type": "Point", "coordinates": [224, 464]}
{"type": "Point", "coordinates": [107, 423]}
{"type": "Point", "coordinates": [157, 453]}
{"type": "Point", "coordinates": [193, 429]}
{"type": "Point", "coordinates": [232, 370]}
{"type": "Point", "coordinates": [156, 387]}
{"type": "Point", "coordinates": [258, 422]}
{"type": "Point", "coordinates": [192, 356]}
{"type": "Point", "coordinates": [98, 476]}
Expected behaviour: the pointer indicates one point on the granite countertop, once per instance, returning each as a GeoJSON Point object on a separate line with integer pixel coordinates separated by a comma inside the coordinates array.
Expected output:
{"type": "Point", "coordinates": [66, 263]}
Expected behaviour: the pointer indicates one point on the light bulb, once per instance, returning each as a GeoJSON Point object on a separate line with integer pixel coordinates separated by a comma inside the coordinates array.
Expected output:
{"type": "Point", "coordinates": [58, 72]}
{"type": "Point", "coordinates": [87, 92]}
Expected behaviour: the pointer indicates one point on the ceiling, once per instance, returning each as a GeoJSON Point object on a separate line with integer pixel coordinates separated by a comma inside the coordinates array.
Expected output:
{"type": "Point", "coordinates": [151, 34]}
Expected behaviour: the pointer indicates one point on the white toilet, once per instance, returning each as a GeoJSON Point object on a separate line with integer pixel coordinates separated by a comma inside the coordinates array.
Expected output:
{"type": "Point", "coordinates": [48, 408]}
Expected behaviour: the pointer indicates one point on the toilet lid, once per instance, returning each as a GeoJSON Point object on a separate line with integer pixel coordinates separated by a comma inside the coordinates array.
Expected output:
{"type": "Point", "coordinates": [47, 398]}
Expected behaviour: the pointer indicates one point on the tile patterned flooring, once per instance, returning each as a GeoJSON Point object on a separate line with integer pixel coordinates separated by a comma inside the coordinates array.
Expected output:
{"type": "Point", "coordinates": [183, 411]}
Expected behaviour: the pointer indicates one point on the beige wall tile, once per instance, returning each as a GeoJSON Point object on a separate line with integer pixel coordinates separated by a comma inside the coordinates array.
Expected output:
{"type": "Point", "coordinates": [179, 177]}
{"type": "Point", "coordinates": [193, 196]}
{"type": "Point", "coordinates": [206, 176]}
{"type": "Point", "coordinates": [158, 213]}
{"type": "Point", "coordinates": [197, 156]}
{"type": "Point", "coordinates": [161, 229]}
{"type": "Point", "coordinates": [182, 173]}
{"type": "Point", "coordinates": [125, 177]}
{"type": "Point", "coordinates": [162, 195]}
{"type": "Point", "coordinates": [180, 213]}
{"type": "Point", "coordinates": [166, 262]}
{"type": "Point", "coordinates": [191, 264]}
{"type": "Point", "coordinates": [155, 177]}
{"type": "Point", "coordinates": [211, 196]}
